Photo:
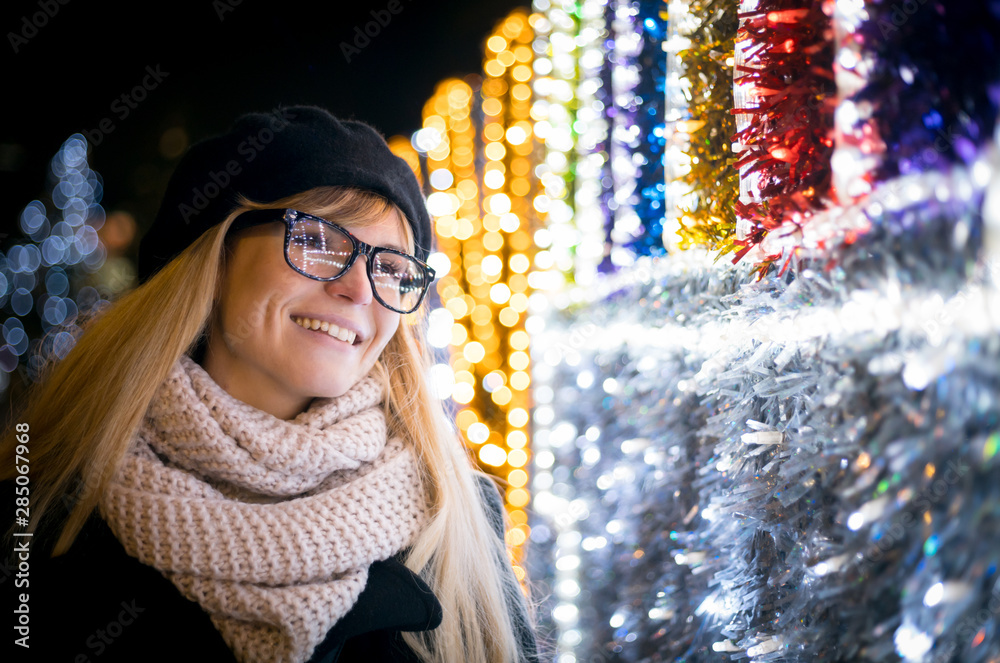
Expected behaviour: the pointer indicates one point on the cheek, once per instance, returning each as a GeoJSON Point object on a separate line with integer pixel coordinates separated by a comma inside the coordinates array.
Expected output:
{"type": "Point", "coordinates": [250, 310]}
{"type": "Point", "coordinates": [387, 327]}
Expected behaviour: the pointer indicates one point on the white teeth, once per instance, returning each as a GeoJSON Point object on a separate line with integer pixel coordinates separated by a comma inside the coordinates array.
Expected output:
{"type": "Point", "coordinates": [345, 335]}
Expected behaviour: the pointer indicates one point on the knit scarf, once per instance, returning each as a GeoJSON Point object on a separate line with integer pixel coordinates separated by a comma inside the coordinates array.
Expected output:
{"type": "Point", "coordinates": [269, 525]}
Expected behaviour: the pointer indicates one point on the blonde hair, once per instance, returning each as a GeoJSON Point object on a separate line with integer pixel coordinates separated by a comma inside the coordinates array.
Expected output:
{"type": "Point", "coordinates": [86, 411]}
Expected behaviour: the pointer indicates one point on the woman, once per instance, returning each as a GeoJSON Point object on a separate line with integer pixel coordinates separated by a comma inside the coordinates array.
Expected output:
{"type": "Point", "coordinates": [241, 459]}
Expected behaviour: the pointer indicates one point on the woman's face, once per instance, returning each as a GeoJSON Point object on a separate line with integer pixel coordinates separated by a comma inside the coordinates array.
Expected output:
{"type": "Point", "coordinates": [259, 349]}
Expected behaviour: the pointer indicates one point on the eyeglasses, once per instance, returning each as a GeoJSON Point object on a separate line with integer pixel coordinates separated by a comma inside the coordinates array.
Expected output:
{"type": "Point", "coordinates": [324, 251]}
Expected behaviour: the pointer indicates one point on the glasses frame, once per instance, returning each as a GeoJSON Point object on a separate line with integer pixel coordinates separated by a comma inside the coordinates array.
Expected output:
{"type": "Point", "coordinates": [358, 248]}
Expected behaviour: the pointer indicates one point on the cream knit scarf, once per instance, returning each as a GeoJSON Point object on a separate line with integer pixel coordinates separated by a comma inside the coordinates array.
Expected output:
{"type": "Point", "coordinates": [269, 525]}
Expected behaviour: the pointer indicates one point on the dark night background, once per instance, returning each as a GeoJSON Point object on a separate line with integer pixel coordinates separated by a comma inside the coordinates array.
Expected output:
{"type": "Point", "coordinates": [257, 56]}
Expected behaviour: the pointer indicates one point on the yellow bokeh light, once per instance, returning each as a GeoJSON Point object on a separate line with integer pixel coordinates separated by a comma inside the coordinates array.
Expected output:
{"type": "Point", "coordinates": [491, 265]}
{"type": "Point", "coordinates": [520, 241]}
{"type": "Point", "coordinates": [496, 43]}
{"type": "Point", "coordinates": [516, 135]}
{"type": "Point", "coordinates": [459, 334]}
{"type": "Point", "coordinates": [524, 148]}
{"type": "Point", "coordinates": [457, 307]}
{"type": "Point", "coordinates": [498, 203]}
{"type": "Point", "coordinates": [519, 302]}
{"type": "Point", "coordinates": [510, 222]}
{"type": "Point", "coordinates": [517, 478]}
{"type": "Point", "coordinates": [465, 377]}
{"type": "Point", "coordinates": [522, 53]}
{"type": "Point", "coordinates": [481, 314]}
{"type": "Point", "coordinates": [464, 229]}
{"type": "Point", "coordinates": [494, 68]}
{"type": "Point", "coordinates": [521, 92]}
{"type": "Point", "coordinates": [494, 151]}
{"type": "Point", "coordinates": [463, 393]}
{"type": "Point", "coordinates": [465, 418]}
{"type": "Point", "coordinates": [521, 73]}
{"type": "Point", "coordinates": [445, 226]}
{"type": "Point", "coordinates": [483, 333]}
{"type": "Point", "coordinates": [513, 26]}
{"type": "Point", "coordinates": [493, 241]}
{"type": "Point", "coordinates": [493, 179]}
{"type": "Point", "coordinates": [493, 455]}
{"type": "Point", "coordinates": [493, 131]}
{"type": "Point", "coordinates": [474, 351]}
{"type": "Point", "coordinates": [518, 517]}
{"type": "Point", "coordinates": [516, 439]}
{"type": "Point", "coordinates": [517, 458]}
{"type": "Point", "coordinates": [519, 573]}
{"type": "Point", "coordinates": [520, 187]}
{"type": "Point", "coordinates": [516, 537]}
{"type": "Point", "coordinates": [506, 58]}
{"type": "Point", "coordinates": [518, 283]}
{"type": "Point", "coordinates": [472, 257]}
{"type": "Point", "coordinates": [518, 497]}
{"type": "Point", "coordinates": [502, 396]}
{"type": "Point", "coordinates": [519, 263]}
{"type": "Point", "coordinates": [519, 340]}
{"type": "Point", "coordinates": [519, 381]}
{"type": "Point", "coordinates": [467, 190]}
{"type": "Point", "coordinates": [508, 317]}
{"type": "Point", "coordinates": [518, 417]}
{"type": "Point", "coordinates": [493, 106]}
{"type": "Point", "coordinates": [518, 360]}
{"type": "Point", "coordinates": [500, 293]}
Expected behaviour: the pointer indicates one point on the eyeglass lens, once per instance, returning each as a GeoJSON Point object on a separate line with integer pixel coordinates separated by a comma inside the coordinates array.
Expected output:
{"type": "Point", "coordinates": [322, 251]}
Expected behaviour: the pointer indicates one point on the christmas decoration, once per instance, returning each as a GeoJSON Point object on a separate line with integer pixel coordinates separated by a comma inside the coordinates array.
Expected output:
{"type": "Point", "coordinates": [45, 273]}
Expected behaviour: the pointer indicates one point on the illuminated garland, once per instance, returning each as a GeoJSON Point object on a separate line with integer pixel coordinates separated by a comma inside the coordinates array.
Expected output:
{"type": "Point", "coordinates": [708, 211]}
{"type": "Point", "coordinates": [786, 147]}
{"type": "Point", "coordinates": [931, 83]}
{"type": "Point", "coordinates": [646, 107]}
{"type": "Point", "coordinates": [49, 272]}
{"type": "Point", "coordinates": [592, 177]}
{"type": "Point", "coordinates": [480, 152]}
{"type": "Point", "coordinates": [600, 111]}
{"type": "Point", "coordinates": [567, 112]}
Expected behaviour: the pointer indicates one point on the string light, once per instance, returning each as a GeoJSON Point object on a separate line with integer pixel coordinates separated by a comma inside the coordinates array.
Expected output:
{"type": "Point", "coordinates": [479, 155]}
{"type": "Point", "coordinates": [47, 278]}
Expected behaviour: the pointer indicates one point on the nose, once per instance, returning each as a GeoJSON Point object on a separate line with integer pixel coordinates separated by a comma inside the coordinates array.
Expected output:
{"type": "Point", "coordinates": [353, 285]}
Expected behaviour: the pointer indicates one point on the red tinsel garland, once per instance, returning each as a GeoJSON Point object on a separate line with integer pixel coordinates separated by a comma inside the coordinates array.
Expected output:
{"type": "Point", "coordinates": [789, 142]}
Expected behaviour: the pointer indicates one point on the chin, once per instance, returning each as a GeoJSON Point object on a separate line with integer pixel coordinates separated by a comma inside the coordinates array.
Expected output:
{"type": "Point", "coordinates": [328, 390]}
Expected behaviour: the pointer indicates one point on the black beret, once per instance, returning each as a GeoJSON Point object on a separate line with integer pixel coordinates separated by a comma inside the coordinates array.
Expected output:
{"type": "Point", "coordinates": [269, 156]}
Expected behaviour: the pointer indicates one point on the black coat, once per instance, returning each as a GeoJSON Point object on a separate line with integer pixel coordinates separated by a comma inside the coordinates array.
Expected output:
{"type": "Point", "coordinates": [95, 604]}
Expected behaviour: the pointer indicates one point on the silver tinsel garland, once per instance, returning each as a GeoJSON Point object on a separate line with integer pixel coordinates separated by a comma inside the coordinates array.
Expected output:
{"type": "Point", "coordinates": [801, 468]}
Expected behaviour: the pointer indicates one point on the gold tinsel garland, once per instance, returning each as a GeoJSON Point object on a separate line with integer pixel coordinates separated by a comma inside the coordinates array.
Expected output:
{"type": "Point", "coordinates": [709, 218]}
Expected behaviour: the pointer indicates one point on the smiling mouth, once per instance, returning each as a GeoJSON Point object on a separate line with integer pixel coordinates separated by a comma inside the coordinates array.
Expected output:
{"type": "Point", "coordinates": [339, 333]}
